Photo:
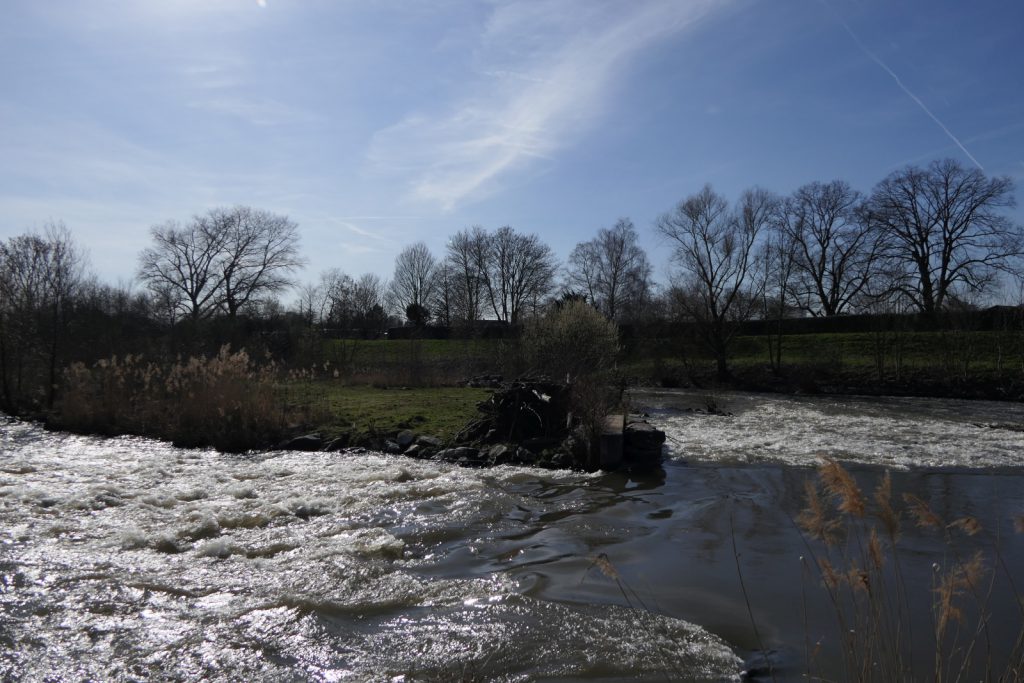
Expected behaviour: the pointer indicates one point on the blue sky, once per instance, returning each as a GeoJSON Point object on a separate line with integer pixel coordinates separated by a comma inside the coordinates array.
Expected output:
{"type": "Point", "coordinates": [374, 124]}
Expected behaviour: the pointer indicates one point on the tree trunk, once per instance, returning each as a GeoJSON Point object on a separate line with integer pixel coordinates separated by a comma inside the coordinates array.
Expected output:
{"type": "Point", "coordinates": [723, 367]}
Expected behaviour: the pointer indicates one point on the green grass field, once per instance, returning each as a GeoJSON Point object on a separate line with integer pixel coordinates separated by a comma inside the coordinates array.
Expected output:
{"type": "Point", "coordinates": [364, 410]}
{"type": "Point", "coordinates": [382, 386]}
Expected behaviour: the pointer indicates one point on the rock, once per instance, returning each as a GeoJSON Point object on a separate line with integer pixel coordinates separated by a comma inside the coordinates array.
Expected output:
{"type": "Point", "coordinates": [429, 441]}
{"type": "Point", "coordinates": [523, 457]}
{"type": "Point", "coordinates": [538, 444]}
{"type": "Point", "coordinates": [499, 454]}
{"type": "Point", "coordinates": [392, 447]}
{"type": "Point", "coordinates": [561, 460]}
{"type": "Point", "coordinates": [337, 444]}
{"type": "Point", "coordinates": [405, 439]}
{"type": "Point", "coordinates": [462, 453]}
{"type": "Point", "coordinates": [413, 451]}
{"type": "Point", "coordinates": [309, 442]}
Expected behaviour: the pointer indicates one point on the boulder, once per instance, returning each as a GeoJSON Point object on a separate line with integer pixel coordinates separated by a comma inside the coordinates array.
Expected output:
{"type": "Point", "coordinates": [338, 443]}
{"type": "Point", "coordinates": [405, 438]}
{"type": "Point", "coordinates": [499, 454]}
{"type": "Point", "coordinates": [460, 454]}
{"type": "Point", "coordinates": [429, 441]}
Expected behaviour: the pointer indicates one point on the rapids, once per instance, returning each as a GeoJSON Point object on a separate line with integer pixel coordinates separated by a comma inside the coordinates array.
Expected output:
{"type": "Point", "coordinates": [128, 559]}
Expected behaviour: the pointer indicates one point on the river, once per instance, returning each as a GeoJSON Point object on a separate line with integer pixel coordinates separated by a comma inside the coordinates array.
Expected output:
{"type": "Point", "coordinates": [127, 559]}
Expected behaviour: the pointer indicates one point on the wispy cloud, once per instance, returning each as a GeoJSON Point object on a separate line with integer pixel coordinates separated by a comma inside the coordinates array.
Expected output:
{"type": "Point", "coordinates": [258, 112]}
{"type": "Point", "coordinates": [907, 91]}
{"type": "Point", "coordinates": [546, 72]}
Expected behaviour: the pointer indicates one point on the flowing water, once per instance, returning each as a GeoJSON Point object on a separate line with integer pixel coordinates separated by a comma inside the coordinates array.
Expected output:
{"type": "Point", "coordinates": [128, 559]}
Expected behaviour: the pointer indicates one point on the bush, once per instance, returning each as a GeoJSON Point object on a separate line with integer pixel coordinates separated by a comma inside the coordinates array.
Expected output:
{"type": "Point", "coordinates": [571, 342]}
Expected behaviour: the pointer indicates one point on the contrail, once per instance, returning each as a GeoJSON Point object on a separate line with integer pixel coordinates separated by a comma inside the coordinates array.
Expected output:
{"type": "Point", "coordinates": [903, 87]}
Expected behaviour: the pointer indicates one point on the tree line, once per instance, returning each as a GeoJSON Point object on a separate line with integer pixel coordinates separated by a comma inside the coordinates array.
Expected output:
{"type": "Point", "coordinates": [925, 239]}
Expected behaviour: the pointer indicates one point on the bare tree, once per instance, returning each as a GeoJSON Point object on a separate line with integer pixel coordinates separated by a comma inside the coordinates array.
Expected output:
{"type": "Point", "coordinates": [716, 250]}
{"type": "Point", "coordinates": [39, 276]}
{"type": "Point", "coordinates": [184, 260]}
{"type": "Point", "coordinates": [338, 305]}
{"type": "Point", "coordinates": [779, 256]}
{"type": "Point", "coordinates": [222, 260]}
{"type": "Point", "coordinates": [259, 252]}
{"type": "Point", "coordinates": [415, 279]}
{"type": "Point", "coordinates": [311, 304]}
{"type": "Point", "coordinates": [468, 261]}
{"type": "Point", "coordinates": [368, 294]}
{"type": "Point", "coordinates": [944, 231]}
{"type": "Point", "coordinates": [521, 269]}
{"type": "Point", "coordinates": [835, 249]}
{"type": "Point", "coordinates": [611, 269]}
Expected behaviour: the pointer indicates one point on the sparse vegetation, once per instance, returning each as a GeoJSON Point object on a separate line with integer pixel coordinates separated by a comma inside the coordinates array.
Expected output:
{"type": "Point", "coordinates": [857, 557]}
{"type": "Point", "coordinates": [225, 401]}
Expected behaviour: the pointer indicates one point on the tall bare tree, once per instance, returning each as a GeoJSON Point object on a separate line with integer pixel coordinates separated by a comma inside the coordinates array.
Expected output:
{"type": "Point", "coordinates": [414, 281]}
{"type": "Point", "coordinates": [184, 260]}
{"type": "Point", "coordinates": [39, 276]}
{"type": "Point", "coordinates": [715, 248]}
{"type": "Point", "coordinates": [259, 252]}
{"type": "Point", "coordinates": [222, 260]}
{"type": "Point", "coordinates": [944, 230]}
{"type": "Point", "coordinates": [835, 247]}
{"type": "Point", "coordinates": [468, 260]}
{"type": "Point", "coordinates": [611, 269]}
{"type": "Point", "coordinates": [522, 268]}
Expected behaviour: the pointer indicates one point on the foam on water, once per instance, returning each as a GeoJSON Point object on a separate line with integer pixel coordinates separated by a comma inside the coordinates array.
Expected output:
{"type": "Point", "coordinates": [893, 432]}
{"type": "Point", "coordinates": [126, 558]}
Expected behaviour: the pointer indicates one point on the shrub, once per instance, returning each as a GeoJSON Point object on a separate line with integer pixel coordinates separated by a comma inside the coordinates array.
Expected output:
{"type": "Point", "coordinates": [572, 341]}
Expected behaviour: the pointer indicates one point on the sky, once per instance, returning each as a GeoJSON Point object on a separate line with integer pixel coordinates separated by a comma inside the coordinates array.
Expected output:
{"type": "Point", "coordinates": [374, 124]}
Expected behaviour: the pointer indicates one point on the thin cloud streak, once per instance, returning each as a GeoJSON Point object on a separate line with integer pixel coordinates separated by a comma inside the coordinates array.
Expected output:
{"type": "Point", "coordinates": [877, 60]}
{"type": "Point", "coordinates": [529, 102]}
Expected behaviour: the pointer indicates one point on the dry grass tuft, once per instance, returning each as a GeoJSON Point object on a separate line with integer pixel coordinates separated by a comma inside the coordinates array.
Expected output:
{"type": "Point", "coordinates": [866, 585]}
{"type": "Point", "coordinates": [841, 485]}
{"type": "Point", "coordinates": [889, 517]}
{"type": "Point", "coordinates": [815, 518]}
{"type": "Point", "coordinates": [922, 512]}
{"type": "Point", "coordinates": [960, 579]}
{"type": "Point", "coordinates": [969, 525]}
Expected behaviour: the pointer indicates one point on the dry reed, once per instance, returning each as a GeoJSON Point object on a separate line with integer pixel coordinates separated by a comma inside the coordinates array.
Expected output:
{"type": "Point", "coordinates": [226, 401]}
{"type": "Point", "coordinates": [860, 568]}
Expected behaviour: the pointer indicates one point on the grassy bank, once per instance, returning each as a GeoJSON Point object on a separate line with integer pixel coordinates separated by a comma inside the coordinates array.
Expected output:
{"type": "Point", "coordinates": [362, 411]}
{"type": "Point", "coordinates": [944, 363]}
{"type": "Point", "coordinates": [234, 404]}
{"type": "Point", "coordinates": [912, 362]}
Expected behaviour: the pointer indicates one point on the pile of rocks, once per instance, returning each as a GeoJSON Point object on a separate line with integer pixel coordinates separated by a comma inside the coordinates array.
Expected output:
{"type": "Point", "coordinates": [522, 413]}
{"type": "Point", "coordinates": [522, 423]}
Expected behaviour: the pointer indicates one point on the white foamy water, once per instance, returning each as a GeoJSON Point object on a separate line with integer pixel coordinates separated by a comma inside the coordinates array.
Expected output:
{"type": "Point", "coordinates": [128, 559]}
{"type": "Point", "coordinates": [893, 432]}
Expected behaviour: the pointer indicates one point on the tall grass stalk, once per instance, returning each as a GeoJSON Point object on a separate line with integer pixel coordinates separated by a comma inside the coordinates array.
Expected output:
{"type": "Point", "coordinates": [227, 401]}
{"type": "Point", "coordinates": [859, 565]}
